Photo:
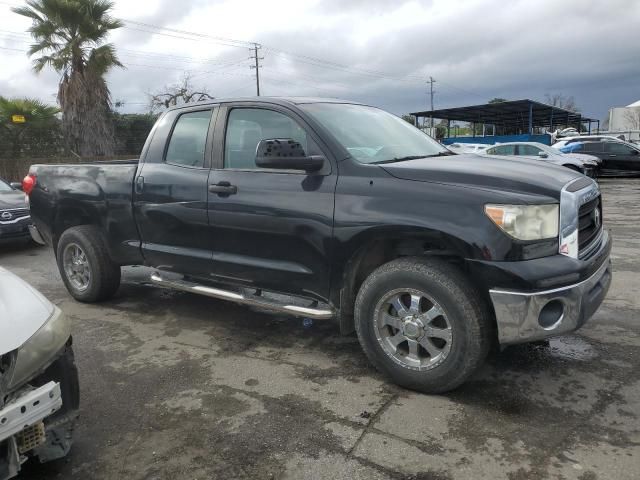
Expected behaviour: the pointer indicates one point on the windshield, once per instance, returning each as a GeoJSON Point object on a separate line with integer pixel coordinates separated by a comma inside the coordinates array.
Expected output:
{"type": "Point", "coordinates": [4, 187]}
{"type": "Point", "coordinates": [372, 135]}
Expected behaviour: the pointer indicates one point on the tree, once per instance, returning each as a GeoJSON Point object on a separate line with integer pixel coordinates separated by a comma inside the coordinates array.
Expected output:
{"type": "Point", "coordinates": [561, 101]}
{"type": "Point", "coordinates": [35, 115]}
{"type": "Point", "coordinates": [410, 119]}
{"type": "Point", "coordinates": [497, 100]}
{"type": "Point", "coordinates": [70, 37]}
{"type": "Point", "coordinates": [177, 94]}
{"type": "Point", "coordinates": [632, 116]}
{"type": "Point", "coordinates": [131, 131]}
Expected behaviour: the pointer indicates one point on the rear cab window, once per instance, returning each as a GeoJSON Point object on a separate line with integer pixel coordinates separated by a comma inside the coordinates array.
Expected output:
{"type": "Point", "coordinates": [188, 139]}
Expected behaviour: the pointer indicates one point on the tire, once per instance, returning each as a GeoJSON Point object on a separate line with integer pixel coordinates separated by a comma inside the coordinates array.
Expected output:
{"type": "Point", "coordinates": [463, 314]}
{"type": "Point", "coordinates": [102, 275]}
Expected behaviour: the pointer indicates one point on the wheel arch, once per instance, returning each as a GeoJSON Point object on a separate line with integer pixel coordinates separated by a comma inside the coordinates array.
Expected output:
{"type": "Point", "coordinates": [71, 214]}
{"type": "Point", "coordinates": [373, 249]}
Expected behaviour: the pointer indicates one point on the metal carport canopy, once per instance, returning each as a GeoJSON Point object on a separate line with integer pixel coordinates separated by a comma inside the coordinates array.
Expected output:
{"type": "Point", "coordinates": [510, 112]}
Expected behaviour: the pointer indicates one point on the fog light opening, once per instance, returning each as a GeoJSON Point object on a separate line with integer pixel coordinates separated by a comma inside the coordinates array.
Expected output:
{"type": "Point", "coordinates": [551, 314]}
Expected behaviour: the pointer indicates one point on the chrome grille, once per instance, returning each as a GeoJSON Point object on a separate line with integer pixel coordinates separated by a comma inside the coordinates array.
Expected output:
{"type": "Point", "coordinates": [13, 214]}
{"type": "Point", "coordinates": [589, 222]}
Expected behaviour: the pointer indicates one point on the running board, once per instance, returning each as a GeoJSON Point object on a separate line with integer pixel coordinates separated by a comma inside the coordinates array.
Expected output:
{"type": "Point", "coordinates": [254, 300]}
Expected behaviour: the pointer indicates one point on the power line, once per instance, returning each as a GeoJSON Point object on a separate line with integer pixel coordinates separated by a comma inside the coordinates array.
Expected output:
{"type": "Point", "coordinates": [238, 43]}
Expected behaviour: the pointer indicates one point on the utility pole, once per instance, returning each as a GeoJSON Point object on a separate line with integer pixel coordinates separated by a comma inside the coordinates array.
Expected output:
{"type": "Point", "coordinates": [431, 81]}
{"type": "Point", "coordinates": [256, 47]}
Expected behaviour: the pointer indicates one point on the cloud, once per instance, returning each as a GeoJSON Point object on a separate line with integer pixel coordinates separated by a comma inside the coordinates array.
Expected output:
{"type": "Point", "coordinates": [475, 50]}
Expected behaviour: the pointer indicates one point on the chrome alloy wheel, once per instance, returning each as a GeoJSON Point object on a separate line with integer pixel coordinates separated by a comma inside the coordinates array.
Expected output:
{"type": "Point", "coordinates": [76, 267]}
{"type": "Point", "coordinates": [413, 329]}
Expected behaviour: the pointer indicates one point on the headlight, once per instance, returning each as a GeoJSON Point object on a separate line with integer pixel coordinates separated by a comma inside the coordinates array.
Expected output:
{"type": "Point", "coordinates": [41, 349]}
{"type": "Point", "coordinates": [526, 222]}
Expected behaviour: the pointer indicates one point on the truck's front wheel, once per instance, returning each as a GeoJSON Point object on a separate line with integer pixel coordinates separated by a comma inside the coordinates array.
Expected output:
{"type": "Point", "coordinates": [85, 266]}
{"type": "Point", "coordinates": [423, 324]}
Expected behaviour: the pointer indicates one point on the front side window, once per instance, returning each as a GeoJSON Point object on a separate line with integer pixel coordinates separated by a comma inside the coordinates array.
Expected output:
{"type": "Point", "coordinates": [246, 127]}
{"type": "Point", "coordinates": [371, 135]}
{"type": "Point", "coordinates": [617, 149]}
{"type": "Point", "coordinates": [188, 139]}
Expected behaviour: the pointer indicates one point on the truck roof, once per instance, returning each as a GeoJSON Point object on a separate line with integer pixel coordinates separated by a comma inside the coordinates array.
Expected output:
{"type": "Point", "coordinates": [266, 99]}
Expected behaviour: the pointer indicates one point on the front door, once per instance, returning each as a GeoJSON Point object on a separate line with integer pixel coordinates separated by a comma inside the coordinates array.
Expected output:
{"type": "Point", "coordinates": [271, 228]}
{"type": "Point", "coordinates": [621, 159]}
{"type": "Point", "coordinates": [171, 192]}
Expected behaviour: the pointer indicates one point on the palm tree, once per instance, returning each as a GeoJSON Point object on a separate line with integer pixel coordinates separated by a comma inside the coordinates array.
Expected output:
{"type": "Point", "coordinates": [36, 115]}
{"type": "Point", "coordinates": [69, 37]}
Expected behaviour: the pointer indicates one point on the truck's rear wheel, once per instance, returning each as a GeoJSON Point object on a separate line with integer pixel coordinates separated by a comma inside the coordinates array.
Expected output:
{"type": "Point", "coordinates": [423, 324]}
{"type": "Point", "coordinates": [85, 266]}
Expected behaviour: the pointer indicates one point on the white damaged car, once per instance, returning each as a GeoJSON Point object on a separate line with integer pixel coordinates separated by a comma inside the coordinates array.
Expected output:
{"type": "Point", "coordinates": [39, 394]}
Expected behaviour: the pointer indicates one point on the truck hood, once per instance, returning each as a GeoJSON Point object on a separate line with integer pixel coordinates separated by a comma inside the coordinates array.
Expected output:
{"type": "Point", "coordinates": [23, 310]}
{"type": "Point", "coordinates": [10, 200]}
{"type": "Point", "coordinates": [514, 175]}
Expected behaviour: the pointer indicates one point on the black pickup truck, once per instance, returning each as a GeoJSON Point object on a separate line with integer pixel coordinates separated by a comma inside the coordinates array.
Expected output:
{"type": "Point", "coordinates": [334, 210]}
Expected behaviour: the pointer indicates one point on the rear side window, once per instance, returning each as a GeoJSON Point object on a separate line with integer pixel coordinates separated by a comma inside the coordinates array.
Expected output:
{"type": "Point", "coordinates": [188, 139]}
{"type": "Point", "coordinates": [528, 150]}
{"type": "Point", "coordinates": [592, 147]}
{"type": "Point", "coordinates": [502, 150]}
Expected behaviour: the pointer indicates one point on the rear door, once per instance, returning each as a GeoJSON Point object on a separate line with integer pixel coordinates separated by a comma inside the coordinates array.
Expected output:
{"type": "Point", "coordinates": [621, 159]}
{"type": "Point", "coordinates": [273, 228]}
{"type": "Point", "coordinates": [171, 192]}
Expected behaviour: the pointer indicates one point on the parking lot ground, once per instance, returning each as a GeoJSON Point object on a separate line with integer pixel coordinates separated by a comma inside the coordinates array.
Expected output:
{"type": "Point", "coordinates": [180, 386]}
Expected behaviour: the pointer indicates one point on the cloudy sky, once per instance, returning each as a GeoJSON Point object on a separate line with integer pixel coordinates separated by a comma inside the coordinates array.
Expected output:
{"type": "Point", "coordinates": [376, 51]}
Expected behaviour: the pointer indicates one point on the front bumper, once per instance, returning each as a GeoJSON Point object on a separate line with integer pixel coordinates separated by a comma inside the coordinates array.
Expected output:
{"type": "Point", "coordinates": [29, 408]}
{"type": "Point", "coordinates": [15, 231]}
{"type": "Point", "coordinates": [529, 316]}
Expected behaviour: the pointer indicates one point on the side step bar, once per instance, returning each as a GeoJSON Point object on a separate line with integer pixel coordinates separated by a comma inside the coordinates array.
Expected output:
{"type": "Point", "coordinates": [242, 298]}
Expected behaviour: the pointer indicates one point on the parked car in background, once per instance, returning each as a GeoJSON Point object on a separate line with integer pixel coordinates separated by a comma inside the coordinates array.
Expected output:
{"type": "Point", "coordinates": [586, 164]}
{"type": "Point", "coordinates": [39, 394]}
{"type": "Point", "coordinates": [618, 158]}
{"type": "Point", "coordinates": [562, 142]}
{"type": "Point", "coordinates": [14, 214]}
{"type": "Point", "coordinates": [467, 147]}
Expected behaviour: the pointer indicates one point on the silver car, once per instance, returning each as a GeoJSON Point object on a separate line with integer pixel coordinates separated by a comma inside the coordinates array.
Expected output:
{"type": "Point", "coordinates": [586, 164]}
{"type": "Point", "coordinates": [39, 394]}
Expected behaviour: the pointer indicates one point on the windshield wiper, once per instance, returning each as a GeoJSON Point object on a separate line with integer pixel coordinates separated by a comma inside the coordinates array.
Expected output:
{"type": "Point", "coordinates": [413, 157]}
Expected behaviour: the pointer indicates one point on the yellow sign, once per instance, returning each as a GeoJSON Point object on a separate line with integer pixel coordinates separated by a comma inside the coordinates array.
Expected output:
{"type": "Point", "coordinates": [18, 119]}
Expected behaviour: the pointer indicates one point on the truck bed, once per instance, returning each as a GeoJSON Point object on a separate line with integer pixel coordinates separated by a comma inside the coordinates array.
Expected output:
{"type": "Point", "coordinates": [99, 193]}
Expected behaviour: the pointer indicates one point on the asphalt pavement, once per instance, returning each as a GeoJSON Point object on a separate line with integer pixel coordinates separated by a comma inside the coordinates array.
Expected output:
{"type": "Point", "coordinates": [175, 385]}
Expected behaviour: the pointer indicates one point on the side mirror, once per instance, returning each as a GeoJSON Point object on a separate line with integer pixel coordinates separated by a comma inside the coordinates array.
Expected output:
{"type": "Point", "coordinates": [543, 154]}
{"type": "Point", "coordinates": [16, 185]}
{"type": "Point", "coordinates": [286, 154]}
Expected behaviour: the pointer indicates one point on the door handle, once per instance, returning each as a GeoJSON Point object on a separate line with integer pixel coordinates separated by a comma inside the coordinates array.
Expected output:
{"type": "Point", "coordinates": [139, 184]}
{"type": "Point", "coordinates": [223, 188]}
